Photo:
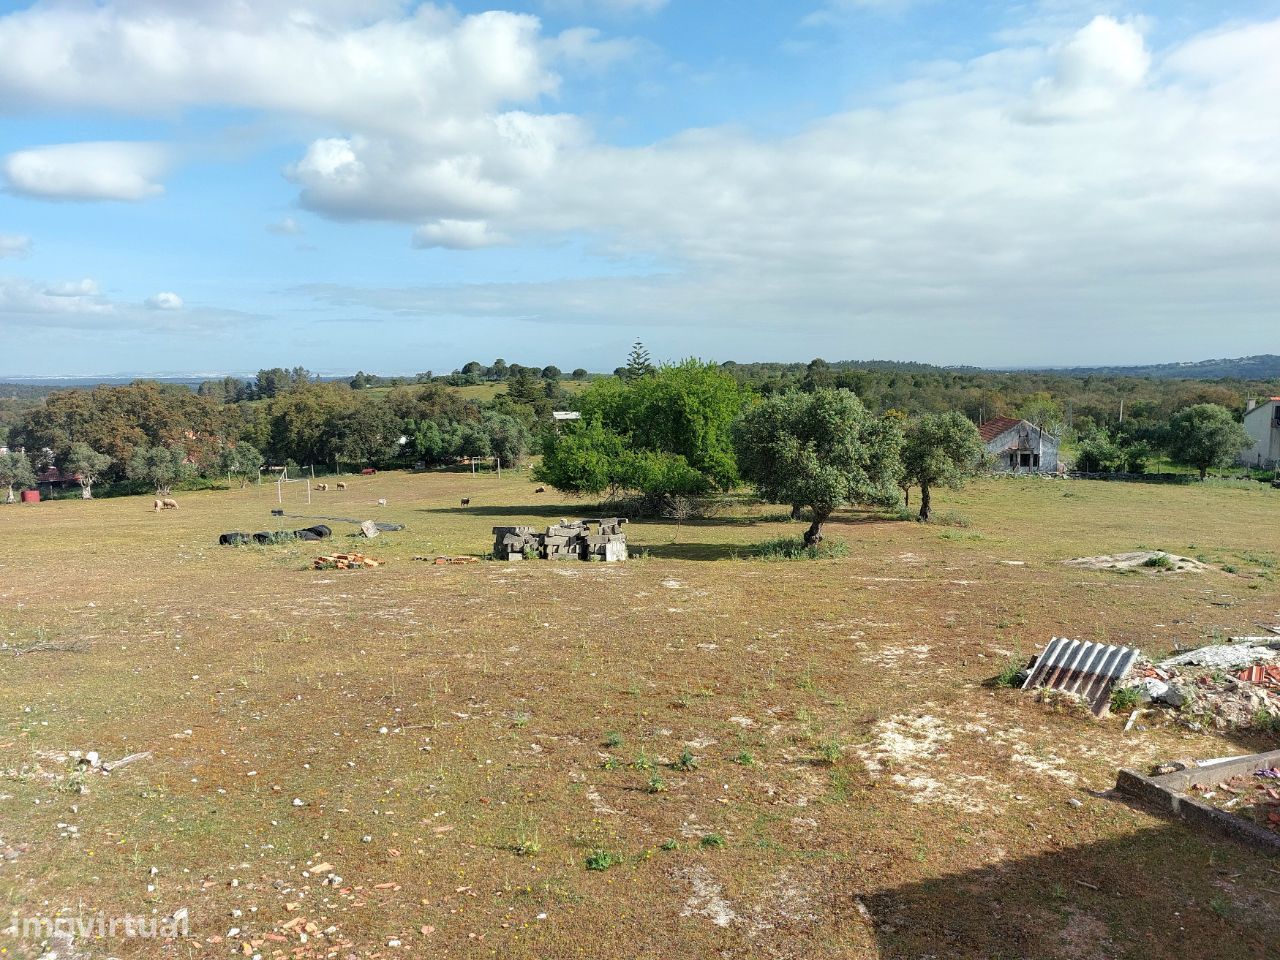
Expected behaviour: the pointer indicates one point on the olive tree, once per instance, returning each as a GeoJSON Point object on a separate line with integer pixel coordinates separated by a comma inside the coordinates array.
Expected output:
{"type": "Point", "coordinates": [1204, 436]}
{"type": "Point", "coordinates": [161, 467]}
{"type": "Point", "coordinates": [241, 460]}
{"type": "Point", "coordinates": [940, 450]}
{"type": "Point", "coordinates": [15, 471]}
{"type": "Point", "coordinates": [87, 465]}
{"type": "Point", "coordinates": [819, 450]}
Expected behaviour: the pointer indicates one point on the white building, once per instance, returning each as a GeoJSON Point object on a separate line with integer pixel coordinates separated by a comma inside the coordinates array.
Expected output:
{"type": "Point", "coordinates": [1262, 421]}
{"type": "Point", "coordinates": [1017, 446]}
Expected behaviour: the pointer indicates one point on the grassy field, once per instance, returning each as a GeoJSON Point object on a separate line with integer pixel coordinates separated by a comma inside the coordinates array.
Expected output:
{"type": "Point", "coordinates": [688, 755]}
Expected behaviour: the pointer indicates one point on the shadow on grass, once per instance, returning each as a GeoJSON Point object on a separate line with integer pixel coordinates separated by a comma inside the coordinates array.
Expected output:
{"type": "Point", "coordinates": [506, 511]}
{"type": "Point", "coordinates": [1162, 892]}
{"type": "Point", "coordinates": [691, 551]}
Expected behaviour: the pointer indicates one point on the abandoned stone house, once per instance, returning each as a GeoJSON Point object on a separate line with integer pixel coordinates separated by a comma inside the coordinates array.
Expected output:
{"type": "Point", "coordinates": [1262, 422]}
{"type": "Point", "coordinates": [1018, 446]}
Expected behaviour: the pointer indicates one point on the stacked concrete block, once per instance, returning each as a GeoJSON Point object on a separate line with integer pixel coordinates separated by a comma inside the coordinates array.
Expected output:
{"type": "Point", "coordinates": [566, 540]}
{"type": "Point", "coordinates": [610, 544]}
{"type": "Point", "coordinates": [513, 543]}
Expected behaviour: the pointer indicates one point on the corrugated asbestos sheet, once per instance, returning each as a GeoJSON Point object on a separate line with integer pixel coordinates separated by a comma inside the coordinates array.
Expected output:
{"type": "Point", "coordinates": [1087, 669]}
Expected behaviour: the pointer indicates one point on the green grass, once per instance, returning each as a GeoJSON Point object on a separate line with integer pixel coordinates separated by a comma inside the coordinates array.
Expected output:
{"type": "Point", "coordinates": [500, 684]}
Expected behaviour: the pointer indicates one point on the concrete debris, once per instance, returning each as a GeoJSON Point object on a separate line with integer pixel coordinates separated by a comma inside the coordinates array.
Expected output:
{"type": "Point", "coordinates": [1220, 687]}
{"type": "Point", "coordinates": [566, 540]}
{"type": "Point", "coordinates": [1233, 656]}
{"type": "Point", "coordinates": [369, 529]}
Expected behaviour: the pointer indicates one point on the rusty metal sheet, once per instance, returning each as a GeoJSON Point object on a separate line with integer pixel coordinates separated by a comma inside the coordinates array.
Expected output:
{"type": "Point", "coordinates": [1089, 670]}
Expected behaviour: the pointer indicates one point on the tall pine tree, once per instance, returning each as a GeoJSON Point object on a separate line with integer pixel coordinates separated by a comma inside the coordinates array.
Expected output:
{"type": "Point", "coordinates": [638, 363]}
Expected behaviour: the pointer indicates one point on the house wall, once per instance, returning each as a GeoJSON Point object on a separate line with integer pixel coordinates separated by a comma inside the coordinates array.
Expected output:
{"type": "Point", "coordinates": [1261, 425]}
{"type": "Point", "coordinates": [1046, 447]}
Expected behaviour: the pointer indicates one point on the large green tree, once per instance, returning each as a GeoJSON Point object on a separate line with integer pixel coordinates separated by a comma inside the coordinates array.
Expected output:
{"type": "Point", "coordinates": [1205, 435]}
{"type": "Point", "coordinates": [87, 465]}
{"type": "Point", "coordinates": [159, 467]}
{"type": "Point", "coordinates": [15, 471]}
{"type": "Point", "coordinates": [819, 450]}
{"type": "Point", "coordinates": [509, 439]}
{"type": "Point", "coordinates": [685, 409]}
{"type": "Point", "coordinates": [581, 460]}
{"type": "Point", "coordinates": [241, 460]}
{"type": "Point", "coordinates": [588, 459]}
{"type": "Point", "coordinates": [940, 450]}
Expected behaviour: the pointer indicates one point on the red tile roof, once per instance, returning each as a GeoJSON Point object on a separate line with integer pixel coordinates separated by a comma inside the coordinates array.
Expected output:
{"type": "Point", "coordinates": [994, 427]}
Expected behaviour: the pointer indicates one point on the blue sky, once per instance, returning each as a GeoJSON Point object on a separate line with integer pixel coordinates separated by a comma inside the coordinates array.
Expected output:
{"type": "Point", "coordinates": [217, 185]}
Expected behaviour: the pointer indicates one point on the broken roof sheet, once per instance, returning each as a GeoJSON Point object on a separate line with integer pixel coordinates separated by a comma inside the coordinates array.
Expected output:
{"type": "Point", "coordinates": [1087, 669]}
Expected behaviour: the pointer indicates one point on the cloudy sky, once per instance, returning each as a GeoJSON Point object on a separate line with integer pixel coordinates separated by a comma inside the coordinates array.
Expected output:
{"type": "Point", "coordinates": [221, 185]}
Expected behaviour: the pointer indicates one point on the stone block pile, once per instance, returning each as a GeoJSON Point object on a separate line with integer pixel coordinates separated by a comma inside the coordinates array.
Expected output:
{"type": "Point", "coordinates": [566, 540]}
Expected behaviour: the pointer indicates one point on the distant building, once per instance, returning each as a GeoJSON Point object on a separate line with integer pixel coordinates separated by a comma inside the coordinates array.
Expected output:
{"type": "Point", "coordinates": [1262, 421]}
{"type": "Point", "coordinates": [562, 415]}
{"type": "Point", "coordinates": [1017, 446]}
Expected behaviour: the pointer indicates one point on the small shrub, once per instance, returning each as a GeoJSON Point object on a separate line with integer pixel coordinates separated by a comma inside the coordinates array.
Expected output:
{"type": "Point", "coordinates": [656, 785]}
{"type": "Point", "coordinates": [829, 751]}
{"type": "Point", "coordinates": [745, 759]}
{"type": "Point", "coordinates": [527, 846]}
{"type": "Point", "coordinates": [793, 548]}
{"type": "Point", "coordinates": [610, 763]}
{"type": "Point", "coordinates": [1124, 699]}
{"type": "Point", "coordinates": [1161, 561]}
{"type": "Point", "coordinates": [953, 518]}
{"type": "Point", "coordinates": [613, 740]}
{"type": "Point", "coordinates": [1010, 675]}
{"type": "Point", "coordinates": [670, 845]}
{"type": "Point", "coordinates": [600, 859]}
{"type": "Point", "coordinates": [686, 762]}
{"type": "Point", "coordinates": [713, 841]}
{"type": "Point", "coordinates": [1264, 722]}
{"type": "Point", "coordinates": [642, 762]}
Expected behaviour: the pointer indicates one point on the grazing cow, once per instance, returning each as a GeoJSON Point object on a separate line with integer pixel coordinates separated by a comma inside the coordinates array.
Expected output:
{"type": "Point", "coordinates": [466, 501]}
{"type": "Point", "coordinates": [341, 485]}
{"type": "Point", "coordinates": [322, 486]}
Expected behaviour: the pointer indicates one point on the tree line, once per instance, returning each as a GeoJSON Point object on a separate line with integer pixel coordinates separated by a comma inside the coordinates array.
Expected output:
{"type": "Point", "coordinates": [693, 428]}
{"type": "Point", "coordinates": [658, 430]}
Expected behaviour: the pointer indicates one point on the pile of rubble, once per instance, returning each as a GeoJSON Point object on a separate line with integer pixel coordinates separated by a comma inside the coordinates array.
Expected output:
{"type": "Point", "coordinates": [566, 540]}
{"type": "Point", "coordinates": [1229, 686]}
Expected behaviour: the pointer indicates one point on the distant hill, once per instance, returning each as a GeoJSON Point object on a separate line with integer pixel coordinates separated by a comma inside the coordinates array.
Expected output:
{"type": "Point", "coordinates": [1263, 367]}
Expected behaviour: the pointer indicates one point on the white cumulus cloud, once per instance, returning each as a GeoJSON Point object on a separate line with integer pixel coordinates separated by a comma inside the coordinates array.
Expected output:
{"type": "Point", "coordinates": [24, 299]}
{"type": "Point", "coordinates": [164, 301]}
{"type": "Point", "coordinates": [457, 235]}
{"type": "Point", "coordinates": [109, 170]}
{"type": "Point", "coordinates": [1094, 71]}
